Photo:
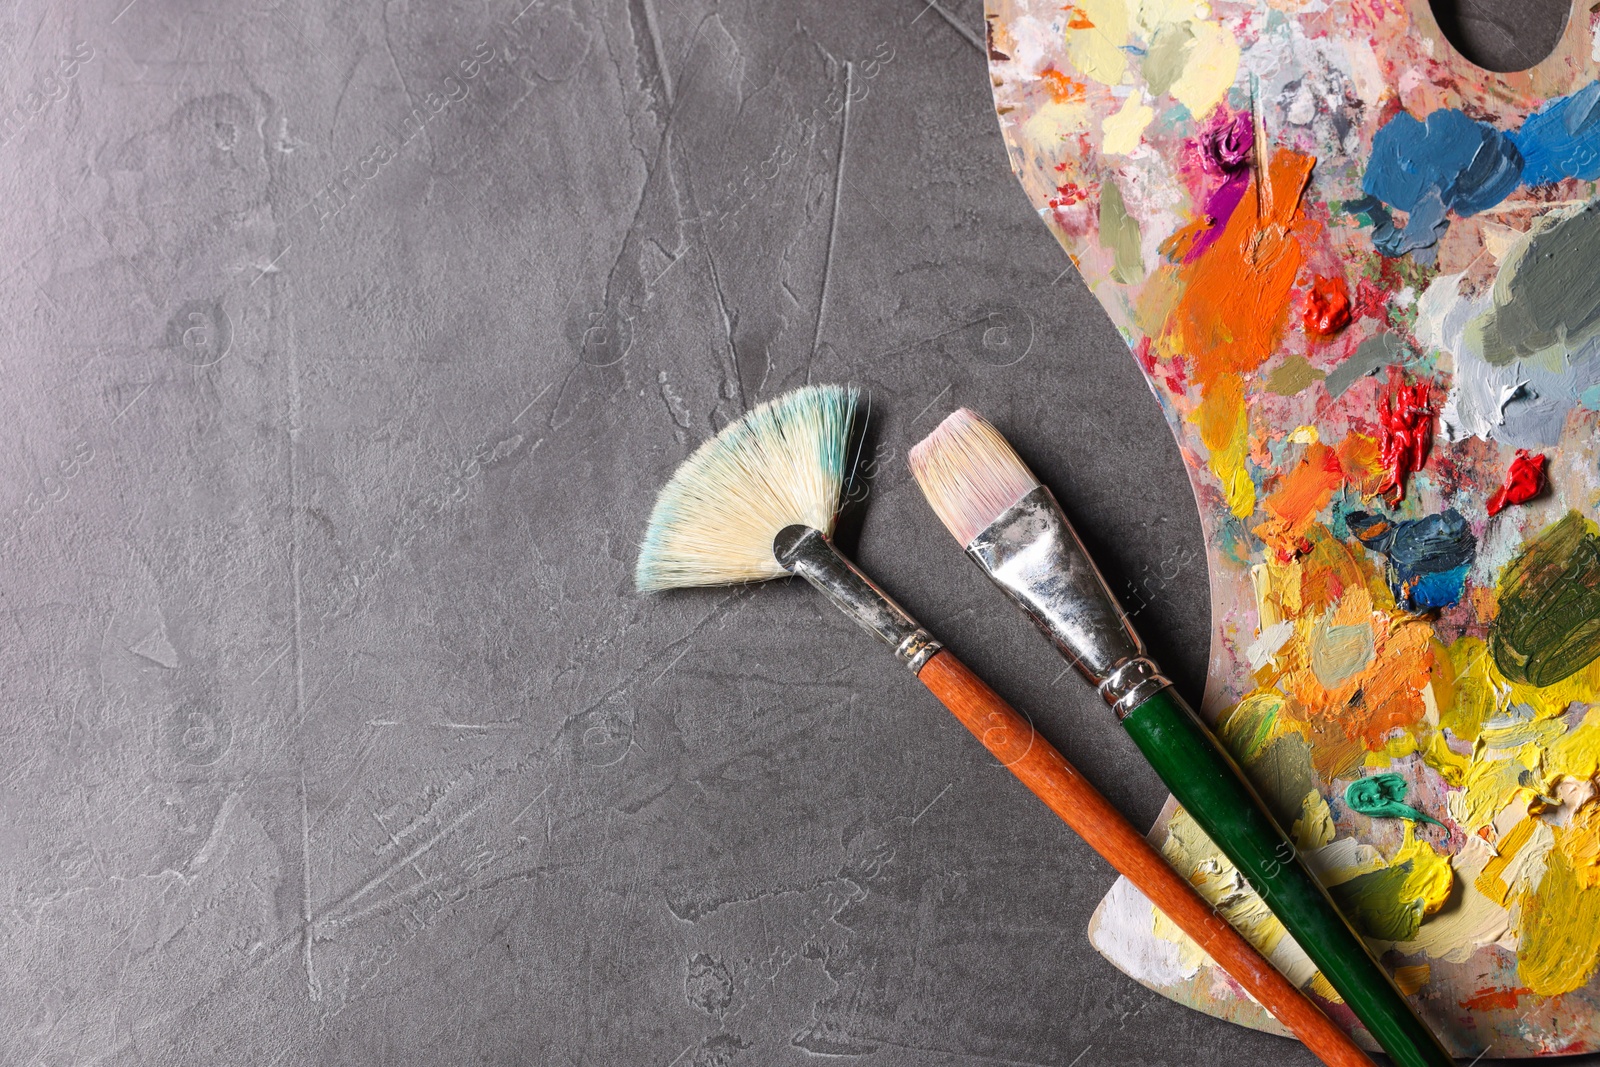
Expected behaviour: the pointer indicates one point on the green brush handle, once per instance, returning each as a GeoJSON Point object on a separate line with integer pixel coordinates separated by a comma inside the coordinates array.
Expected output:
{"type": "Point", "coordinates": [1208, 783]}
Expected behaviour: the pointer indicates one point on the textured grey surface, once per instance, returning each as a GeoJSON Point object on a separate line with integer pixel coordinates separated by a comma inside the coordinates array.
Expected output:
{"type": "Point", "coordinates": [333, 731]}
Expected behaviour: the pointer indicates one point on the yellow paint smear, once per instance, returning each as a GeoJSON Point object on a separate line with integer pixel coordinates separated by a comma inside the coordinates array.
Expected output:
{"type": "Point", "coordinates": [1096, 32]}
{"type": "Point", "coordinates": [1212, 66]}
{"type": "Point", "coordinates": [1124, 129]}
{"type": "Point", "coordinates": [1560, 942]}
{"type": "Point", "coordinates": [1224, 430]}
{"type": "Point", "coordinates": [1431, 876]}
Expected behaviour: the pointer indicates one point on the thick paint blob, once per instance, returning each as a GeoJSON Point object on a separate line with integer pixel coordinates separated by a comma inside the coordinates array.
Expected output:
{"type": "Point", "coordinates": [1548, 626]}
{"type": "Point", "coordinates": [1523, 481]}
{"type": "Point", "coordinates": [1406, 418]}
{"type": "Point", "coordinates": [1327, 307]}
{"type": "Point", "coordinates": [1428, 558]}
{"type": "Point", "coordinates": [1382, 796]}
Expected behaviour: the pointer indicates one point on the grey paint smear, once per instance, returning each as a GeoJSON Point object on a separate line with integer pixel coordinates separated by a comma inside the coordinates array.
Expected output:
{"type": "Point", "coordinates": [1376, 352]}
{"type": "Point", "coordinates": [1547, 294]}
{"type": "Point", "coordinates": [1524, 404]}
{"type": "Point", "coordinates": [1526, 351]}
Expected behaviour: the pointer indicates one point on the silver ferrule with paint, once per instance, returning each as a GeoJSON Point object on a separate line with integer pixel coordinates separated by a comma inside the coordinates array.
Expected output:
{"type": "Point", "coordinates": [1033, 553]}
{"type": "Point", "coordinates": [806, 552]}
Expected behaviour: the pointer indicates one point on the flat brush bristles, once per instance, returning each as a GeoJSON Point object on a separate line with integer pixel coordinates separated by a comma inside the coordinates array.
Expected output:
{"type": "Point", "coordinates": [783, 463]}
{"type": "Point", "coordinates": [969, 473]}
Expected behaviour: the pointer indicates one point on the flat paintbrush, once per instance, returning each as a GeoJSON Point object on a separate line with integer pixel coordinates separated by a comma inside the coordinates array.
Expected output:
{"type": "Point", "coordinates": [1012, 527]}
{"type": "Point", "coordinates": [758, 501]}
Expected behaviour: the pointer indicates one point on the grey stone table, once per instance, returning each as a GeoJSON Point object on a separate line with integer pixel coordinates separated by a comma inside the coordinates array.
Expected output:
{"type": "Point", "coordinates": [344, 347]}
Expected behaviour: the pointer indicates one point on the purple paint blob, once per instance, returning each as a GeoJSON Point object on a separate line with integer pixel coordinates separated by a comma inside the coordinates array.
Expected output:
{"type": "Point", "coordinates": [1224, 148]}
{"type": "Point", "coordinates": [1225, 145]}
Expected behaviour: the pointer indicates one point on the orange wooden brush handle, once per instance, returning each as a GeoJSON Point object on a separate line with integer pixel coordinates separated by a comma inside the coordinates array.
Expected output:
{"type": "Point", "coordinates": [1014, 742]}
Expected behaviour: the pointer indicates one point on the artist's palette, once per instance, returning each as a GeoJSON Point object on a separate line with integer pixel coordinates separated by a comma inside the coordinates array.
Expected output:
{"type": "Point", "coordinates": [1363, 278]}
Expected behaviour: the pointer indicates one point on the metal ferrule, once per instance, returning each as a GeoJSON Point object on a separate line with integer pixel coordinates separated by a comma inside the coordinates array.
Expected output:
{"type": "Point", "coordinates": [806, 552]}
{"type": "Point", "coordinates": [1033, 553]}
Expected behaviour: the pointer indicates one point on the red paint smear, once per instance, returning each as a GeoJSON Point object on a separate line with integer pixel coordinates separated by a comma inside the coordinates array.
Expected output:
{"type": "Point", "coordinates": [1145, 355]}
{"type": "Point", "coordinates": [1523, 481]}
{"type": "Point", "coordinates": [1485, 999]}
{"type": "Point", "coordinates": [1327, 307]}
{"type": "Point", "coordinates": [1405, 418]}
{"type": "Point", "coordinates": [1068, 194]}
{"type": "Point", "coordinates": [1371, 300]}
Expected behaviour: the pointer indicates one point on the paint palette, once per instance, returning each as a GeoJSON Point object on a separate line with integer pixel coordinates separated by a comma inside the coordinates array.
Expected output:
{"type": "Point", "coordinates": [1362, 276]}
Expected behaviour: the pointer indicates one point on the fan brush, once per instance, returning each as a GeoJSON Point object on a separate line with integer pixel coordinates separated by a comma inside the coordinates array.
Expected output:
{"type": "Point", "coordinates": [759, 500]}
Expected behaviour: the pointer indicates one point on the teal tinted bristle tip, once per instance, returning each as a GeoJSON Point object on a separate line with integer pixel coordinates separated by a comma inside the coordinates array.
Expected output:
{"type": "Point", "coordinates": [783, 463]}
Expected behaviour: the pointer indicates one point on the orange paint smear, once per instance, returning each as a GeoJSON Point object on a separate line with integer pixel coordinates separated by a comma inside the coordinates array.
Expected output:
{"type": "Point", "coordinates": [1362, 460]}
{"type": "Point", "coordinates": [1231, 308]}
{"type": "Point", "coordinates": [1329, 595]}
{"type": "Point", "coordinates": [1487, 999]}
{"type": "Point", "coordinates": [1235, 302]}
{"type": "Point", "coordinates": [1077, 20]}
{"type": "Point", "coordinates": [1300, 495]}
{"type": "Point", "coordinates": [1062, 89]}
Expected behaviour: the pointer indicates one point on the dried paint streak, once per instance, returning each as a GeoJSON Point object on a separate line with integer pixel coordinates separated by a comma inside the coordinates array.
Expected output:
{"type": "Point", "coordinates": [1292, 376]}
{"type": "Point", "coordinates": [1540, 301]}
{"type": "Point", "coordinates": [1096, 32]}
{"type": "Point", "coordinates": [1558, 141]}
{"type": "Point", "coordinates": [1548, 625]}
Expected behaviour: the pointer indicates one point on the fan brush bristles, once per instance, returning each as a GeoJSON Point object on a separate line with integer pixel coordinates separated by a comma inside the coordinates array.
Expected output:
{"type": "Point", "coordinates": [969, 473]}
{"type": "Point", "coordinates": [783, 463]}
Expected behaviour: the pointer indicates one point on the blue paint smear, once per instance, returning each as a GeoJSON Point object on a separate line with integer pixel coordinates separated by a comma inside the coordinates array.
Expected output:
{"type": "Point", "coordinates": [1562, 139]}
{"type": "Point", "coordinates": [1446, 162]}
{"type": "Point", "coordinates": [1449, 162]}
{"type": "Point", "coordinates": [1428, 558]}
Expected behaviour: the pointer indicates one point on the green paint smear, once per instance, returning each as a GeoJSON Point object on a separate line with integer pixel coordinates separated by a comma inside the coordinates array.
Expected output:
{"type": "Point", "coordinates": [1382, 796]}
{"type": "Point", "coordinates": [1169, 53]}
{"type": "Point", "coordinates": [1540, 301]}
{"type": "Point", "coordinates": [1293, 375]}
{"type": "Point", "coordinates": [1548, 627]}
{"type": "Point", "coordinates": [1282, 775]}
{"type": "Point", "coordinates": [1372, 901]}
{"type": "Point", "coordinates": [1248, 727]}
{"type": "Point", "coordinates": [1119, 233]}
